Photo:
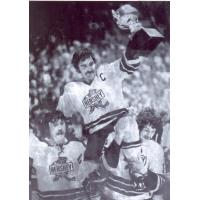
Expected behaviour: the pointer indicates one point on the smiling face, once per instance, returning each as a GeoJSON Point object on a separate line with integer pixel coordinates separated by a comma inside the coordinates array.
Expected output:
{"type": "Point", "coordinates": [87, 68]}
{"type": "Point", "coordinates": [147, 132]}
{"type": "Point", "coordinates": [57, 130]}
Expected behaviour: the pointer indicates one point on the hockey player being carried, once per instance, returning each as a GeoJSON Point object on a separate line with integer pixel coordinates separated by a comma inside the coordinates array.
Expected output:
{"type": "Point", "coordinates": [98, 97]}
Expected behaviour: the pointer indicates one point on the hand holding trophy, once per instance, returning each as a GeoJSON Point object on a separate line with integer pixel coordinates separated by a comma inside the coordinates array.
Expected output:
{"type": "Point", "coordinates": [142, 39]}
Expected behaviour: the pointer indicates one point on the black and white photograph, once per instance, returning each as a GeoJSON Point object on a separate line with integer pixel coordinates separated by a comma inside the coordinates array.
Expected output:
{"type": "Point", "coordinates": [99, 100]}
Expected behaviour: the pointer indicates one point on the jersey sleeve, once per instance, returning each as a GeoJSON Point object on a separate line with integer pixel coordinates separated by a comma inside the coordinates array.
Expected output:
{"type": "Point", "coordinates": [120, 68]}
{"type": "Point", "coordinates": [36, 146]}
{"type": "Point", "coordinates": [129, 66]}
{"type": "Point", "coordinates": [65, 103]}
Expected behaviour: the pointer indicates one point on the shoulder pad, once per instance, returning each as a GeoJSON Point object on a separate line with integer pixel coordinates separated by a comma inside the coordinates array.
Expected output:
{"type": "Point", "coordinates": [70, 86]}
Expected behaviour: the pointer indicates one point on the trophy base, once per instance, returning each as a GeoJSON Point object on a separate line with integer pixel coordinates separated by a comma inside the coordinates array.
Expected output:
{"type": "Point", "coordinates": [145, 40]}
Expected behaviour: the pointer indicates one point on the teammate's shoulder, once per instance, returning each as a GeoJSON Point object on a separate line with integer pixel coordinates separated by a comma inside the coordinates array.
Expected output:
{"type": "Point", "coordinates": [77, 143]}
{"type": "Point", "coordinates": [150, 144]}
{"type": "Point", "coordinates": [156, 146]}
{"type": "Point", "coordinates": [71, 86]}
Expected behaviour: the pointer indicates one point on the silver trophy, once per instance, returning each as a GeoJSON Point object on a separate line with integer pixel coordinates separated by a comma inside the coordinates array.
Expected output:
{"type": "Point", "coordinates": [141, 39]}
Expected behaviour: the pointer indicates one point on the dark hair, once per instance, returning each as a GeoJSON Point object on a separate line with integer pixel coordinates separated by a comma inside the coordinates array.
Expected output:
{"type": "Point", "coordinates": [150, 116]}
{"type": "Point", "coordinates": [50, 117]}
{"type": "Point", "coordinates": [81, 54]}
{"type": "Point", "coordinates": [54, 116]}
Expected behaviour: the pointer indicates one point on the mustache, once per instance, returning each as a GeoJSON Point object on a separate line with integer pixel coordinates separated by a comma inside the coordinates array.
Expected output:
{"type": "Point", "coordinates": [60, 132]}
{"type": "Point", "coordinates": [89, 72]}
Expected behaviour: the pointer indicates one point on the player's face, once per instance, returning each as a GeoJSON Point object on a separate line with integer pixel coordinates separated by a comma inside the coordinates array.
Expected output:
{"type": "Point", "coordinates": [57, 131]}
{"type": "Point", "coordinates": [87, 68]}
{"type": "Point", "coordinates": [147, 132]}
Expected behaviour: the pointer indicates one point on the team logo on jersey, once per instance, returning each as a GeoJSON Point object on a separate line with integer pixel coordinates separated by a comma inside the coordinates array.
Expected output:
{"type": "Point", "coordinates": [61, 169]}
{"type": "Point", "coordinates": [94, 99]}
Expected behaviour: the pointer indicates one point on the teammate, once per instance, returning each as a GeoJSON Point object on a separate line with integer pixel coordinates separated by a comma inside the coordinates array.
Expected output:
{"type": "Point", "coordinates": [150, 127]}
{"type": "Point", "coordinates": [132, 179]}
{"type": "Point", "coordinates": [59, 162]}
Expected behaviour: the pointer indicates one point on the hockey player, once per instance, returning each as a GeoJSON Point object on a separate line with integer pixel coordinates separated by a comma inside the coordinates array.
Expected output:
{"type": "Point", "coordinates": [150, 127]}
{"type": "Point", "coordinates": [59, 162]}
{"type": "Point", "coordinates": [137, 177]}
{"type": "Point", "coordinates": [98, 97]}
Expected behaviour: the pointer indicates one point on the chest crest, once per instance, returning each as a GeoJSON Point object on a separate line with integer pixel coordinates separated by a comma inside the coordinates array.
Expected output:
{"type": "Point", "coordinates": [95, 99]}
{"type": "Point", "coordinates": [61, 168]}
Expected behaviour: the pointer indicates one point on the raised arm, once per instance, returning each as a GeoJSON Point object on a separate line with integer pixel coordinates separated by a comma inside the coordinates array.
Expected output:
{"type": "Point", "coordinates": [141, 40]}
{"type": "Point", "coordinates": [36, 147]}
{"type": "Point", "coordinates": [65, 103]}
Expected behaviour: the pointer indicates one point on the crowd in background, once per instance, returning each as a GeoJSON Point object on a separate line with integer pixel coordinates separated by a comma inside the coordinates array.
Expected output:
{"type": "Point", "coordinates": [51, 70]}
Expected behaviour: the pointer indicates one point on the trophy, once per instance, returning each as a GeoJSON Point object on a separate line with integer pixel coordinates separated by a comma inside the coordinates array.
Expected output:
{"type": "Point", "coordinates": [141, 39]}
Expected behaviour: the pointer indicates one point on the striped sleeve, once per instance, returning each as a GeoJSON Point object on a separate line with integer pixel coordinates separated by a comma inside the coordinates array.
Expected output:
{"type": "Point", "coordinates": [129, 66]}
{"type": "Point", "coordinates": [130, 145]}
{"type": "Point", "coordinates": [136, 186]}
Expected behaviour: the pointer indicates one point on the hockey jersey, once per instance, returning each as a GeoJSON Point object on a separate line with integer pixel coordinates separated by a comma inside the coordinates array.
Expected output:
{"type": "Point", "coordinates": [101, 102]}
{"type": "Point", "coordinates": [119, 184]}
{"type": "Point", "coordinates": [59, 169]}
{"type": "Point", "coordinates": [153, 156]}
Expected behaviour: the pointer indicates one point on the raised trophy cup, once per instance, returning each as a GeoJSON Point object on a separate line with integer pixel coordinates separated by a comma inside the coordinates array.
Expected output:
{"type": "Point", "coordinates": [142, 39]}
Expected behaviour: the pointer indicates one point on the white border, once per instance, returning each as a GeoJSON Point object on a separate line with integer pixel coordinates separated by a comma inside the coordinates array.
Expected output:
{"type": "Point", "coordinates": [185, 86]}
{"type": "Point", "coordinates": [14, 99]}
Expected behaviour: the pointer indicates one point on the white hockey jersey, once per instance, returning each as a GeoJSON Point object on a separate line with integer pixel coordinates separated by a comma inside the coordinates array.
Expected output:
{"type": "Point", "coordinates": [119, 184]}
{"type": "Point", "coordinates": [153, 156]}
{"type": "Point", "coordinates": [101, 102]}
{"type": "Point", "coordinates": [60, 169]}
